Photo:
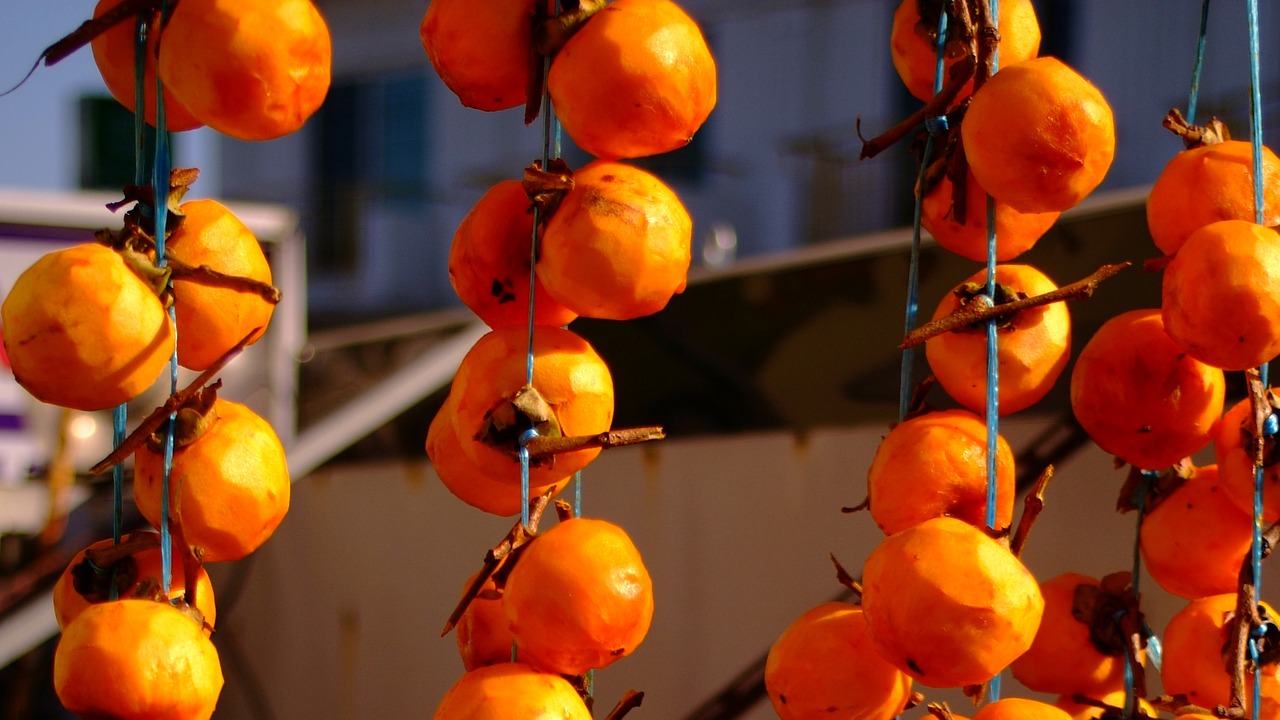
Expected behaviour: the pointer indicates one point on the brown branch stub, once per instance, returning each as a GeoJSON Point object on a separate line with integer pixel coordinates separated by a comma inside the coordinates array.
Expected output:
{"type": "Point", "coordinates": [92, 28]}
{"type": "Point", "coordinates": [957, 77]}
{"type": "Point", "coordinates": [1033, 505]}
{"type": "Point", "coordinates": [1141, 490]}
{"type": "Point", "coordinates": [631, 700]}
{"type": "Point", "coordinates": [987, 41]}
{"type": "Point", "coordinates": [941, 710]}
{"type": "Point", "coordinates": [540, 447]}
{"type": "Point", "coordinates": [1193, 136]}
{"type": "Point", "coordinates": [551, 33]}
{"type": "Point", "coordinates": [845, 578]}
{"type": "Point", "coordinates": [546, 187]}
{"type": "Point", "coordinates": [973, 313]}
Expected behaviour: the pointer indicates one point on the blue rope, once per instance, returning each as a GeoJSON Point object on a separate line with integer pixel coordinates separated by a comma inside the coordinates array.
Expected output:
{"type": "Point", "coordinates": [1199, 65]}
{"type": "Point", "coordinates": [1139, 499]}
{"type": "Point", "coordinates": [993, 360]}
{"type": "Point", "coordinates": [1259, 210]}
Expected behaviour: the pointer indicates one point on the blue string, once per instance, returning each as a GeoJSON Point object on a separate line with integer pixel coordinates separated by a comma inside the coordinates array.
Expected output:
{"type": "Point", "coordinates": [1199, 65]}
{"type": "Point", "coordinates": [993, 362]}
{"type": "Point", "coordinates": [1139, 499]}
{"type": "Point", "coordinates": [1259, 210]}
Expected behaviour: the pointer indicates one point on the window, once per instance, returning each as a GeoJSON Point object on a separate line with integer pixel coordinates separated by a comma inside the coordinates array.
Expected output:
{"type": "Point", "coordinates": [107, 144]}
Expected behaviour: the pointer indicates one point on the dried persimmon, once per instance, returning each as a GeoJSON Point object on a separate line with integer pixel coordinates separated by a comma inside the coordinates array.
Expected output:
{"type": "Point", "coordinates": [1014, 708]}
{"type": "Point", "coordinates": [1064, 658]}
{"type": "Point", "coordinates": [511, 690]}
{"type": "Point", "coordinates": [935, 465]}
{"type": "Point", "coordinates": [1233, 449]}
{"type": "Point", "coordinates": [578, 598]}
{"type": "Point", "coordinates": [482, 633]}
{"type": "Point", "coordinates": [1194, 664]}
{"type": "Point", "coordinates": [481, 50]}
{"type": "Point", "coordinates": [114, 54]}
{"type": "Point", "coordinates": [823, 665]}
{"type": "Point", "coordinates": [83, 330]}
{"type": "Point", "coordinates": [1016, 232]}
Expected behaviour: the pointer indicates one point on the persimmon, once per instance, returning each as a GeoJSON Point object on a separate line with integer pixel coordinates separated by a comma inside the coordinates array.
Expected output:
{"type": "Point", "coordinates": [637, 79]}
{"type": "Point", "coordinates": [490, 260]}
{"type": "Point", "coordinates": [251, 69]}
{"type": "Point", "coordinates": [915, 56]}
{"type": "Point", "coordinates": [948, 605]}
{"type": "Point", "coordinates": [823, 666]}
{"type": "Point", "coordinates": [481, 50]}
{"type": "Point", "coordinates": [83, 330]}
{"type": "Point", "coordinates": [511, 690]}
{"type": "Point", "coordinates": [1063, 658]}
{"type": "Point", "coordinates": [83, 584]}
{"type": "Point", "coordinates": [1194, 663]}
{"type": "Point", "coordinates": [1039, 136]}
{"type": "Point", "coordinates": [1014, 708]}
{"type": "Point", "coordinates": [935, 465]}
{"type": "Point", "coordinates": [1221, 295]}
{"type": "Point", "coordinates": [212, 316]}
{"type": "Point", "coordinates": [1140, 397]}
{"type": "Point", "coordinates": [1115, 699]}
{"type": "Point", "coordinates": [1032, 349]}
{"type": "Point", "coordinates": [482, 633]}
{"type": "Point", "coordinates": [568, 375]}
{"type": "Point", "coordinates": [1232, 448]}
{"type": "Point", "coordinates": [229, 487]}
{"type": "Point", "coordinates": [1194, 541]}
{"type": "Point", "coordinates": [113, 52]}
{"type": "Point", "coordinates": [1206, 184]}
{"type": "Point", "coordinates": [579, 597]}
{"type": "Point", "coordinates": [1016, 232]}
{"type": "Point", "coordinates": [468, 482]}
{"type": "Point", "coordinates": [136, 660]}
{"type": "Point", "coordinates": [619, 245]}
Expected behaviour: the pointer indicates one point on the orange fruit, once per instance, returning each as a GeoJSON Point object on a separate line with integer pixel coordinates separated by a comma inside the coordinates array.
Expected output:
{"type": "Point", "coordinates": [1033, 346]}
{"type": "Point", "coordinates": [1063, 657]}
{"type": "Point", "coordinates": [82, 584]}
{"type": "Point", "coordinates": [935, 465]}
{"type": "Point", "coordinates": [252, 69]}
{"type": "Point", "coordinates": [578, 598]}
{"type": "Point", "coordinates": [1195, 540]}
{"type": "Point", "coordinates": [468, 482]}
{"type": "Point", "coordinates": [481, 50]}
{"type": "Point", "coordinates": [1140, 397]}
{"type": "Point", "coordinates": [1221, 295]}
{"type": "Point", "coordinates": [1039, 136]}
{"type": "Point", "coordinates": [1194, 663]}
{"type": "Point", "coordinates": [569, 376]}
{"type": "Point", "coordinates": [637, 79]}
{"type": "Point", "coordinates": [229, 488]}
{"type": "Point", "coordinates": [482, 633]}
{"type": "Point", "coordinates": [915, 55]}
{"type": "Point", "coordinates": [83, 331]}
{"type": "Point", "coordinates": [823, 666]}
{"type": "Point", "coordinates": [511, 690]}
{"type": "Point", "coordinates": [948, 605]}
{"type": "Point", "coordinates": [1206, 184]}
{"type": "Point", "coordinates": [1016, 232]}
{"type": "Point", "coordinates": [1232, 449]}
{"type": "Point", "coordinates": [113, 52]}
{"type": "Point", "coordinates": [619, 245]}
{"type": "Point", "coordinates": [490, 259]}
{"type": "Point", "coordinates": [211, 317]}
{"type": "Point", "coordinates": [1014, 708]}
{"type": "Point", "coordinates": [1116, 699]}
{"type": "Point", "coordinates": [136, 660]}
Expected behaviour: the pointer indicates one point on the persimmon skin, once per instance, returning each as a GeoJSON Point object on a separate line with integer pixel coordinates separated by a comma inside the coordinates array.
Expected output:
{"type": "Point", "coordinates": [1221, 295]}
{"type": "Point", "coordinates": [212, 319]}
{"type": "Point", "coordinates": [915, 58]}
{"type": "Point", "coordinates": [136, 659]}
{"type": "Point", "coordinates": [482, 633]}
{"type": "Point", "coordinates": [490, 260]}
{"type": "Point", "coordinates": [1062, 658]}
{"type": "Point", "coordinates": [1039, 136]}
{"type": "Point", "coordinates": [1020, 709]}
{"type": "Point", "coordinates": [1193, 662]}
{"type": "Point", "coordinates": [249, 69]}
{"type": "Point", "coordinates": [1205, 184]}
{"type": "Point", "coordinates": [81, 330]}
{"type": "Point", "coordinates": [1032, 350]}
{"type": "Point", "coordinates": [113, 52]}
{"type": "Point", "coordinates": [935, 465]}
{"type": "Point", "coordinates": [948, 605]}
{"type": "Point", "coordinates": [823, 665]}
{"type": "Point", "coordinates": [511, 690]}
{"type": "Point", "coordinates": [231, 486]}
{"type": "Point", "coordinates": [1114, 698]}
{"type": "Point", "coordinates": [567, 372]}
{"type": "Point", "coordinates": [1193, 542]}
{"type": "Point", "coordinates": [1140, 397]}
{"type": "Point", "coordinates": [1235, 463]}
{"type": "Point", "coordinates": [1016, 232]}
{"type": "Point", "coordinates": [619, 245]}
{"type": "Point", "coordinates": [637, 79]}
{"type": "Point", "coordinates": [481, 49]}
{"type": "Point", "coordinates": [579, 598]}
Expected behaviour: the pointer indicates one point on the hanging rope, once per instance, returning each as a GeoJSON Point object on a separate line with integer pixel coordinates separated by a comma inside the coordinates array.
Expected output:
{"type": "Point", "coordinates": [1199, 65]}
{"type": "Point", "coordinates": [993, 359]}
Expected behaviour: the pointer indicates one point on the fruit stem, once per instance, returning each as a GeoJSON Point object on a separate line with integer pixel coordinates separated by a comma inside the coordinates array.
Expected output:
{"type": "Point", "coordinates": [988, 41]}
{"type": "Point", "coordinates": [205, 275]}
{"type": "Point", "coordinates": [551, 33]}
{"type": "Point", "coordinates": [974, 313]}
{"type": "Point", "coordinates": [547, 187]}
{"type": "Point", "coordinates": [1193, 136]}
{"type": "Point", "coordinates": [1033, 504]}
{"type": "Point", "coordinates": [105, 557]}
{"type": "Point", "coordinates": [631, 700]}
{"type": "Point", "coordinates": [94, 27]}
{"type": "Point", "coordinates": [541, 447]}
{"type": "Point", "coordinates": [957, 76]}
{"type": "Point", "coordinates": [845, 578]}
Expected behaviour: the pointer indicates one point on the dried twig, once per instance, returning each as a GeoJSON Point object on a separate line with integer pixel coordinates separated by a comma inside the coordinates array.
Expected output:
{"type": "Point", "coordinates": [544, 446]}
{"type": "Point", "coordinates": [957, 77]}
{"type": "Point", "coordinates": [1033, 504]}
{"type": "Point", "coordinates": [630, 701]}
{"type": "Point", "coordinates": [845, 578]}
{"type": "Point", "coordinates": [974, 313]}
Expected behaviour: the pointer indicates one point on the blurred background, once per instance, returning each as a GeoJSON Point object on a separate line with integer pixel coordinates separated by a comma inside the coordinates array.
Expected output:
{"type": "Point", "coordinates": [775, 373]}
